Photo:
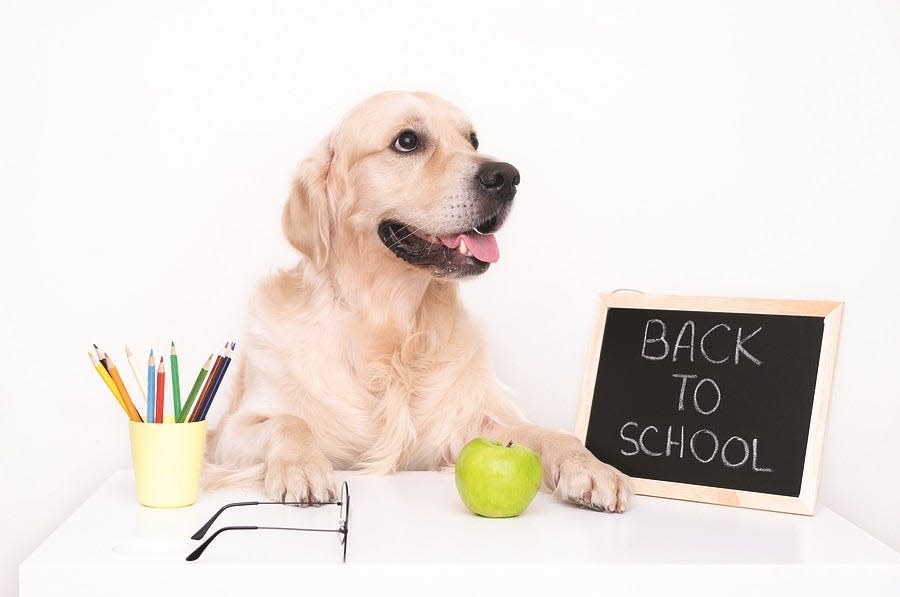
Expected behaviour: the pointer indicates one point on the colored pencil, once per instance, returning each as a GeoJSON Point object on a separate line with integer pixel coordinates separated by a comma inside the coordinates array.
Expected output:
{"type": "Point", "coordinates": [134, 371]}
{"type": "Point", "coordinates": [186, 409]}
{"type": "Point", "coordinates": [204, 393]}
{"type": "Point", "coordinates": [160, 392]}
{"type": "Point", "coordinates": [176, 383]}
{"type": "Point", "coordinates": [218, 381]}
{"type": "Point", "coordinates": [101, 357]}
{"type": "Point", "coordinates": [123, 391]}
{"type": "Point", "coordinates": [199, 400]}
{"type": "Point", "coordinates": [198, 408]}
{"type": "Point", "coordinates": [151, 389]}
{"type": "Point", "coordinates": [104, 375]}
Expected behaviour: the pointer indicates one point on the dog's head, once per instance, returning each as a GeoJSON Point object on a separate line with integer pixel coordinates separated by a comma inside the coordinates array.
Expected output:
{"type": "Point", "coordinates": [401, 179]}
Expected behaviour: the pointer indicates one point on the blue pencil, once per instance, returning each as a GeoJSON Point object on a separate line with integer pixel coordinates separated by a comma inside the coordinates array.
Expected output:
{"type": "Point", "coordinates": [151, 389]}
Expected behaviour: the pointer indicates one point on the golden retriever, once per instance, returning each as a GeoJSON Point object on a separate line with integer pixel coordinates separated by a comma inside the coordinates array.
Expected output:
{"type": "Point", "coordinates": [361, 357]}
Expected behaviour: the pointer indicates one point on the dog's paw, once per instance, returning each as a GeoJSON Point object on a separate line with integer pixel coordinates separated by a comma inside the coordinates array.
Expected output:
{"type": "Point", "coordinates": [585, 481]}
{"type": "Point", "coordinates": [310, 481]}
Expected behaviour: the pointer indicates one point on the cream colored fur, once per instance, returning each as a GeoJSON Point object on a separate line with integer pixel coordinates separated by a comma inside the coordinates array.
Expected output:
{"type": "Point", "coordinates": [354, 359]}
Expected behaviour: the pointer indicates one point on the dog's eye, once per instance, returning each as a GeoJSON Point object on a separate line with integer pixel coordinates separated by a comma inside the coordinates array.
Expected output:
{"type": "Point", "coordinates": [406, 141]}
{"type": "Point", "coordinates": [473, 139]}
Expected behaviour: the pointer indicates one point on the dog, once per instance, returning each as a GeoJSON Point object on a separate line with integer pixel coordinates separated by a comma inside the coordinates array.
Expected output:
{"type": "Point", "coordinates": [361, 356]}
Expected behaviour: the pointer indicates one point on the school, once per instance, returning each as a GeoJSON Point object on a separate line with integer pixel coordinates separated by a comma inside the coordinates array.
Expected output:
{"type": "Point", "coordinates": [702, 445]}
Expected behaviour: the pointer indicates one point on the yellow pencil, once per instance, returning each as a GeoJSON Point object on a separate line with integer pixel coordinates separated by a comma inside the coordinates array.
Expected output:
{"type": "Point", "coordinates": [108, 380]}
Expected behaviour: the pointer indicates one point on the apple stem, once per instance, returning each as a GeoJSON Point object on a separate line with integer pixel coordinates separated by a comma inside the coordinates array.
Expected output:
{"type": "Point", "coordinates": [509, 444]}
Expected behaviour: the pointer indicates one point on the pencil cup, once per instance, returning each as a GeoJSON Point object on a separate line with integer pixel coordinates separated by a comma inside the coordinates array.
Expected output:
{"type": "Point", "coordinates": [167, 459]}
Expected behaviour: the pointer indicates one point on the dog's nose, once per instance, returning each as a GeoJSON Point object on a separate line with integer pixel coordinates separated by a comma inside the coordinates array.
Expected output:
{"type": "Point", "coordinates": [498, 179]}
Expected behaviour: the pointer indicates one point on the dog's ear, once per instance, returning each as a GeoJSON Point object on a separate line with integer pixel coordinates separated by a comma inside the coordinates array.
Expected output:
{"type": "Point", "coordinates": [308, 215]}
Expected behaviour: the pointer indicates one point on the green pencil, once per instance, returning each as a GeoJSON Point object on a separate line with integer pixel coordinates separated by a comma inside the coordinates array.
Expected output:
{"type": "Point", "coordinates": [176, 383]}
{"type": "Point", "coordinates": [186, 409]}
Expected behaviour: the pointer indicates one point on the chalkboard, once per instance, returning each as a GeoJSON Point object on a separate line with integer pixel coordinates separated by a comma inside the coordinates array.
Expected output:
{"type": "Point", "coordinates": [712, 399]}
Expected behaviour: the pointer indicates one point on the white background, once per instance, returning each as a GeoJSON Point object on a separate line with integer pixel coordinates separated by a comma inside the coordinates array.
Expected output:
{"type": "Point", "coordinates": [709, 148]}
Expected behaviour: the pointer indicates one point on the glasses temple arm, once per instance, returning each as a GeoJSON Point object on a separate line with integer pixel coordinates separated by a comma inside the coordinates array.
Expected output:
{"type": "Point", "coordinates": [202, 547]}
{"type": "Point", "coordinates": [205, 528]}
{"type": "Point", "coordinates": [202, 531]}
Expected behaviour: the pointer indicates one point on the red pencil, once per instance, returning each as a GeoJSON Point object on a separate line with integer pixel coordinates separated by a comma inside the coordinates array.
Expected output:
{"type": "Point", "coordinates": [160, 390]}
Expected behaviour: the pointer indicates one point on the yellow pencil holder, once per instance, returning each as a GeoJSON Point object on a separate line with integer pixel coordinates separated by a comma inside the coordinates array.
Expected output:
{"type": "Point", "coordinates": [167, 459]}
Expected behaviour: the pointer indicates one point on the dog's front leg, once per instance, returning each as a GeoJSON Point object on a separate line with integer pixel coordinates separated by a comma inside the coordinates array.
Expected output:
{"type": "Point", "coordinates": [570, 471]}
{"type": "Point", "coordinates": [296, 468]}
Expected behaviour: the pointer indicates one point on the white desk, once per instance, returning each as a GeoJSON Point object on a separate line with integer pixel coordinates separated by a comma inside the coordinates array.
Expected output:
{"type": "Point", "coordinates": [411, 534]}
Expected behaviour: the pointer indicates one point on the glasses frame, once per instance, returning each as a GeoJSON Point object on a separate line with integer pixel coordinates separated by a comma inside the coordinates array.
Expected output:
{"type": "Point", "coordinates": [343, 529]}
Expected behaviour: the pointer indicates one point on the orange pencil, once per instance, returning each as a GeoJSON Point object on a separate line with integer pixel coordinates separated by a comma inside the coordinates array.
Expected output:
{"type": "Point", "coordinates": [160, 390]}
{"type": "Point", "coordinates": [126, 399]}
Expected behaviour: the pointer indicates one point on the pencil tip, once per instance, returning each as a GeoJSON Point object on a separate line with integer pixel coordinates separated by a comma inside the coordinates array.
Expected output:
{"type": "Point", "coordinates": [173, 343]}
{"type": "Point", "coordinates": [95, 346]}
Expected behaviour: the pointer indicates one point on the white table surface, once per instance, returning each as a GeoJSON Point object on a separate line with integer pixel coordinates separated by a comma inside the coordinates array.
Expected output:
{"type": "Point", "coordinates": [410, 534]}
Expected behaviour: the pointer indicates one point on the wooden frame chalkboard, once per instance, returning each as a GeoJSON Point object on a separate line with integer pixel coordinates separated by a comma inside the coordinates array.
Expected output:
{"type": "Point", "coordinates": [770, 390]}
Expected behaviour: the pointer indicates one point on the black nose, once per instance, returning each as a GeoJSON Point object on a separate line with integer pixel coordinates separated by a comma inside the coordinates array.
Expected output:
{"type": "Point", "coordinates": [498, 179]}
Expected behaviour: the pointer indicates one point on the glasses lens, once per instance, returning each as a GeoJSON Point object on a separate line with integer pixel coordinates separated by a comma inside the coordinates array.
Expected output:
{"type": "Point", "coordinates": [345, 505]}
{"type": "Point", "coordinates": [345, 516]}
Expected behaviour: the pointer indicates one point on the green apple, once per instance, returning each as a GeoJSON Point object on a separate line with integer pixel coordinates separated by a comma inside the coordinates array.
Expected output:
{"type": "Point", "coordinates": [497, 480]}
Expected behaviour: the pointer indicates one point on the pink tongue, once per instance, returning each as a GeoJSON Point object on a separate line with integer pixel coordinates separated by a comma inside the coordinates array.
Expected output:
{"type": "Point", "coordinates": [483, 246]}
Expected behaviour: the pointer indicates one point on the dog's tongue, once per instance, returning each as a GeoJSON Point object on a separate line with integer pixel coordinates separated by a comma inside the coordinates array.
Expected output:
{"type": "Point", "coordinates": [483, 246]}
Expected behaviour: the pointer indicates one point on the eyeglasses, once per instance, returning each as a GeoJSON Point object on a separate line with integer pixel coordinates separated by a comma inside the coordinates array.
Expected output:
{"type": "Point", "coordinates": [343, 529]}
